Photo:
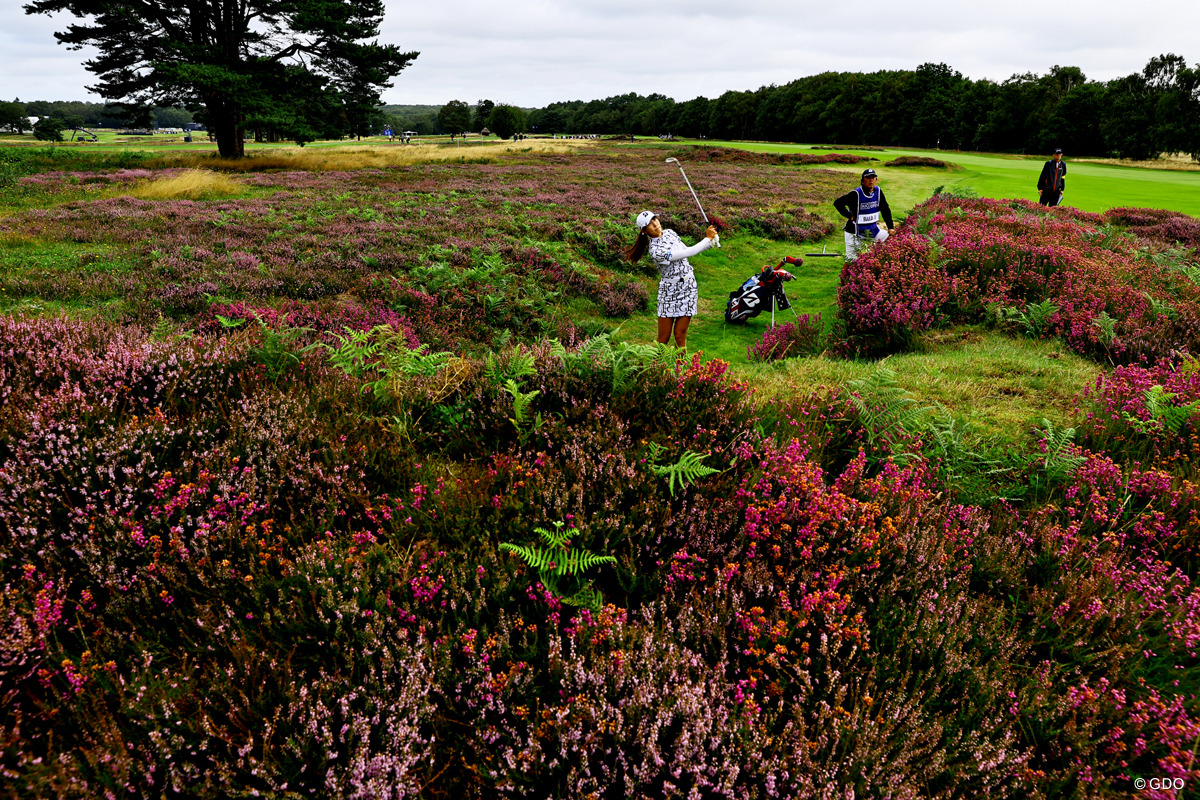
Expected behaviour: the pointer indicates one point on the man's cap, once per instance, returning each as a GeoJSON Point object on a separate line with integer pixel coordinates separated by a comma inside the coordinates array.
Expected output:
{"type": "Point", "coordinates": [869, 173]}
{"type": "Point", "coordinates": [1058, 151]}
{"type": "Point", "coordinates": [644, 219]}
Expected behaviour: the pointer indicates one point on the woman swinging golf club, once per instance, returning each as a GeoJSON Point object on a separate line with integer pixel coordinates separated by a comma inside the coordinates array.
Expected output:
{"type": "Point", "coordinates": [678, 292]}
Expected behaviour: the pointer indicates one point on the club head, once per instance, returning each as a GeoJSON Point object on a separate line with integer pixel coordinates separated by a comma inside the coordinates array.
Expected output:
{"type": "Point", "coordinates": [672, 160]}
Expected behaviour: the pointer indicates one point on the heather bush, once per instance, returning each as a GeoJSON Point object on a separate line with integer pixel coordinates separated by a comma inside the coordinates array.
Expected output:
{"type": "Point", "coordinates": [803, 337]}
{"type": "Point", "coordinates": [737, 155]}
{"type": "Point", "coordinates": [916, 161]}
{"type": "Point", "coordinates": [1146, 415]}
{"type": "Point", "coordinates": [1160, 225]}
{"type": "Point", "coordinates": [958, 260]}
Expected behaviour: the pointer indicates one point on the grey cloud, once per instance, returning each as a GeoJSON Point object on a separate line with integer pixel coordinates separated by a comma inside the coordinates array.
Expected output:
{"type": "Point", "coordinates": [533, 52]}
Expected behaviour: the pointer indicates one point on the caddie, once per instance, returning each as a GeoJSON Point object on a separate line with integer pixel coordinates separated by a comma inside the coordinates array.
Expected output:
{"type": "Point", "coordinates": [863, 209]}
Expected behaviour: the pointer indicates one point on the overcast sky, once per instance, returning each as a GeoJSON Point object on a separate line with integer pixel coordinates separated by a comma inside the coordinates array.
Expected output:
{"type": "Point", "coordinates": [534, 52]}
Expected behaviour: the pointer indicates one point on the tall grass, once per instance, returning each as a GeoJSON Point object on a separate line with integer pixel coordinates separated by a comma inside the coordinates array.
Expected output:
{"type": "Point", "coordinates": [337, 159]}
{"type": "Point", "coordinates": [192, 184]}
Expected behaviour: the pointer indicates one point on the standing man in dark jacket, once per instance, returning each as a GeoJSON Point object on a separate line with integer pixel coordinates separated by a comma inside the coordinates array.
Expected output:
{"type": "Point", "coordinates": [863, 208]}
{"type": "Point", "coordinates": [1052, 183]}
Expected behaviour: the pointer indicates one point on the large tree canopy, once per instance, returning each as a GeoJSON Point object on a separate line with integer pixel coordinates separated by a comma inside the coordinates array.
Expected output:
{"type": "Point", "coordinates": [301, 67]}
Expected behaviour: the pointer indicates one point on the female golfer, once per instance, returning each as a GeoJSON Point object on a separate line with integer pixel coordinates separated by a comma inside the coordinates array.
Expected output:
{"type": "Point", "coordinates": [677, 289]}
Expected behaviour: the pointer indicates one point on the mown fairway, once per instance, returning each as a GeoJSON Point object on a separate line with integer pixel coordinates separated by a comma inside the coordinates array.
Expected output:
{"type": "Point", "coordinates": [1090, 187]}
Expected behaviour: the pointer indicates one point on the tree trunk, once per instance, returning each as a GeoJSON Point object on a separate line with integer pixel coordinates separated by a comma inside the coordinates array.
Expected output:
{"type": "Point", "coordinates": [225, 123]}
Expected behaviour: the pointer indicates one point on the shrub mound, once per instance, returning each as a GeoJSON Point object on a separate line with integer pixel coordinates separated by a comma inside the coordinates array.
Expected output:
{"type": "Point", "coordinates": [917, 161]}
{"type": "Point", "coordinates": [1157, 224]}
{"type": "Point", "coordinates": [737, 156]}
{"type": "Point", "coordinates": [1050, 273]}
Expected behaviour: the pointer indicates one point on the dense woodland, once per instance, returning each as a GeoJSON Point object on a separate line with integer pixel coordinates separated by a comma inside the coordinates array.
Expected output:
{"type": "Point", "coordinates": [1137, 116]}
{"type": "Point", "coordinates": [1141, 115]}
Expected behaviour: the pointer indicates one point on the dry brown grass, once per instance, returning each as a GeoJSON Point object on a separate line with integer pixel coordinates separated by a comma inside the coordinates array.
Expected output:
{"type": "Point", "coordinates": [352, 157]}
{"type": "Point", "coordinates": [1180, 162]}
{"type": "Point", "coordinates": [192, 184]}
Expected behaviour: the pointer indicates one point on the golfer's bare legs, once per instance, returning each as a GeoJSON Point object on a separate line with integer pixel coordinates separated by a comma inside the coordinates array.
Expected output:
{"type": "Point", "coordinates": [676, 325]}
{"type": "Point", "coordinates": [681, 326]}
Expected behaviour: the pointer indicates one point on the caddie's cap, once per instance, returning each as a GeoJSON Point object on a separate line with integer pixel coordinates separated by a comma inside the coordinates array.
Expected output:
{"type": "Point", "coordinates": [869, 173]}
{"type": "Point", "coordinates": [1058, 151]}
{"type": "Point", "coordinates": [644, 218]}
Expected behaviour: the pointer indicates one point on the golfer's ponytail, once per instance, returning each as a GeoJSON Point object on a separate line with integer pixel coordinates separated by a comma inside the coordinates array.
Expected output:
{"type": "Point", "coordinates": [639, 248]}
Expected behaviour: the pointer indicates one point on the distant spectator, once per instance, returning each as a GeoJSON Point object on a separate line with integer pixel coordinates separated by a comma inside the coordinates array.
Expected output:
{"type": "Point", "coordinates": [1052, 184]}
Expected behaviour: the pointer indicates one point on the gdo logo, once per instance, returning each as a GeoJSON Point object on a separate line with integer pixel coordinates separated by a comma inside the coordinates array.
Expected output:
{"type": "Point", "coordinates": [1160, 784]}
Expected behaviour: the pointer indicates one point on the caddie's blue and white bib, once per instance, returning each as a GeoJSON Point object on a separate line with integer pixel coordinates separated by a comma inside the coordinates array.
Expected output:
{"type": "Point", "coordinates": [868, 212]}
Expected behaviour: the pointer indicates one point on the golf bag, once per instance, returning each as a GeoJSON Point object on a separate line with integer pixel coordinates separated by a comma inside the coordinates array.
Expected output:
{"type": "Point", "coordinates": [759, 292]}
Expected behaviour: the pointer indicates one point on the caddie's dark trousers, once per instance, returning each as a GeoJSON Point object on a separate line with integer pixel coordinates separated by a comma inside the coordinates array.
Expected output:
{"type": "Point", "coordinates": [1050, 198]}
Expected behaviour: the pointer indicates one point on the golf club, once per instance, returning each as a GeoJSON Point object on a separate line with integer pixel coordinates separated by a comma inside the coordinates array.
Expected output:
{"type": "Point", "coordinates": [693, 191]}
{"type": "Point", "coordinates": [823, 254]}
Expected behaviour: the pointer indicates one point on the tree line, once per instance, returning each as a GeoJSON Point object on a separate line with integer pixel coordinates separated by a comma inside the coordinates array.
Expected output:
{"type": "Point", "coordinates": [1138, 116]}
{"type": "Point", "coordinates": [74, 114]}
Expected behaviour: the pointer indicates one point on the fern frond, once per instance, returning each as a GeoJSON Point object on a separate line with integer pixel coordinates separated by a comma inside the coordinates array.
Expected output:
{"type": "Point", "coordinates": [536, 557]}
{"type": "Point", "coordinates": [1061, 461]}
{"type": "Point", "coordinates": [491, 369]}
{"type": "Point", "coordinates": [1170, 417]}
{"type": "Point", "coordinates": [521, 403]}
{"type": "Point", "coordinates": [577, 561]}
{"type": "Point", "coordinates": [587, 597]}
{"type": "Point", "coordinates": [885, 407]}
{"type": "Point", "coordinates": [687, 470]}
{"type": "Point", "coordinates": [557, 560]}
{"type": "Point", "coordinates": [522, 365]}
{"type": "Point", "coordinates": [555, 538]}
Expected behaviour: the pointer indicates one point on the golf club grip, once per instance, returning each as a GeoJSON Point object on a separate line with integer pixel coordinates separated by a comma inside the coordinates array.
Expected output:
{"type": "Point", "coordinates": [708, 223]}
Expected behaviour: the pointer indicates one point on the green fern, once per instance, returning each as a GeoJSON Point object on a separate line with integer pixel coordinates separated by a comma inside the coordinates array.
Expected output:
{"type": "Point", "coordinates": [622, 361]}
{"type": "Point", "coordinates": [1190, 365]}
{"type": "Point", "coordinates": [359, 351]}
{"type": "Point", "coordinates": [557, 561]}
{"type": "Point", "coordinates": [277, 350]}
{"type": "Point", "coordinates": [885, 409]}
{"type": "Point", "coordinates": [687, 470]}
{"type": "Point", "coordinates": [1164, 416]}
{"type": "Point", "coordinates": [522, 402]}
{"type": "Point", "coordinates": [1107, 326]}
{"type": "Point", "coordinates": [517, 364]}
{"type": "Point", "coordinates": [1159, 308]}
{"type": "Point", "coordinates": [1036, 318]}
{"type": "Point", "coordinates": [1061, 460]}
{"type": "Point", "coordinates": [1191, 272]}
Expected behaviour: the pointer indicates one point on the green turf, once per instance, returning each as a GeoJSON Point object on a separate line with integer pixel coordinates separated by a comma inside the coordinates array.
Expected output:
{"type": "Point", "coordinates": [1090, 187]}
{"type": "Point", "coordinates": [721, 271]}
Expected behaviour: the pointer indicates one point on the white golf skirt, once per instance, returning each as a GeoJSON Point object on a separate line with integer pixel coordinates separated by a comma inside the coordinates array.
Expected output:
{"type": "Point", "coordinates": [677, 297]}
